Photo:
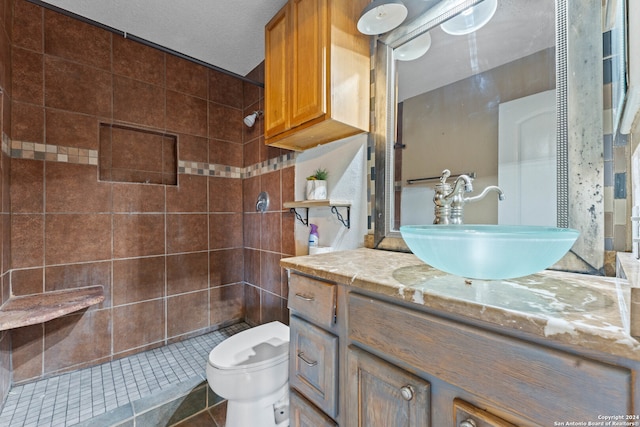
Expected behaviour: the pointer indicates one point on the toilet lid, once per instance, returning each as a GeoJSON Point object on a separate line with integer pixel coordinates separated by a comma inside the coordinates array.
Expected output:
{"type": "Point", "coordinates": [260, 346]}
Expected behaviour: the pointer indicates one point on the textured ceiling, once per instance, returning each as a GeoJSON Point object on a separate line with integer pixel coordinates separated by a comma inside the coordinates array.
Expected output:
{"type": "Point", "coordinates": [228, 34]}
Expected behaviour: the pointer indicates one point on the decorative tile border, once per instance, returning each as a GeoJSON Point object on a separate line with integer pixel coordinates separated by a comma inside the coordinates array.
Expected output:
{"type": "Point", "coordinates": [56, 153]}
{"type": "Point", "coordinates": [208, 169]}
{"type": "Point", "coordinates": [211, 169]}
{"type": "Point", "coordinates": [277, 163]}
{"type": "Point", "coordinates": [6, 143]}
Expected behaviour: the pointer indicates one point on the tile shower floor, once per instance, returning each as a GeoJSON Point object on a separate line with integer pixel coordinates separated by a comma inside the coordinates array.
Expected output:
{"type": "Point", "coordinates": [73, 397]}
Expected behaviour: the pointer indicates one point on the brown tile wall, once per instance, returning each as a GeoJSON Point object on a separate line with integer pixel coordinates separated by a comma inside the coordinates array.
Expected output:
{"type": "Point", "coordinates": [5, 163]}
{"type": "Point", "coordinates": [268, 236]}
{"type": "Point", "coordinates": [173, 259]}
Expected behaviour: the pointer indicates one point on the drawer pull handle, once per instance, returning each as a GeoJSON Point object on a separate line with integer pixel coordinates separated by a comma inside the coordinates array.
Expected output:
{"type": "Point", "coordinates": [305, 297]}
{"type": "Point", "coordinates": [468, 423]}
{"type": "Point", "coordinates": [407, 392]}
{"type": "Point", "coordinates": [306, 361]}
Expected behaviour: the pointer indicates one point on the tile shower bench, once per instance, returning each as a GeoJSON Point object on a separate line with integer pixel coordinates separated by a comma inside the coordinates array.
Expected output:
{"type": "Point", "coordinates": [27, 310]}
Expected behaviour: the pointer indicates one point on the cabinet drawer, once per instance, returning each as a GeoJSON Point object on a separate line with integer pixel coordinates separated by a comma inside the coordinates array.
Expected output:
{"type": "Point", "coordinates": [312, 299]}
{"type": "Point", "coordinates": [304, 414]}
{"type": "Point", "coordinates": [531, 381]}
{"type": "Point", "coordinates": [466, 414]}
{"type": "Point", "coordinates": [313, 364]}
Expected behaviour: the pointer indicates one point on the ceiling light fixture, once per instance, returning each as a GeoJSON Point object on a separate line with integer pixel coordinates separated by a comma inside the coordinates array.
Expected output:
{"type": "Point", "coordinates": [381, 16]}
{"type": "Point", "coordinates": [413, 49]}
{"type": "Point", "coordinates": [470, 19]}
{"type": "Point", "coordinates": [251, 118]}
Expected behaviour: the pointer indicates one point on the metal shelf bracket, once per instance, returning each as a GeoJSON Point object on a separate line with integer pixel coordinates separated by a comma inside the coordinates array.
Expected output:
{"type": "Point", "coordinates": [347, 222]}
{"type": "Point", "coordinates": [294, 206]}
{"type": "Point", "coordinates": [304, 221]}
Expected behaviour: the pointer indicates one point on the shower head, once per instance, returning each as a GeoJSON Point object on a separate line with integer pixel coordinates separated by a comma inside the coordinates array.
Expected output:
{"type": "Point", "coordinates": [251, 118]}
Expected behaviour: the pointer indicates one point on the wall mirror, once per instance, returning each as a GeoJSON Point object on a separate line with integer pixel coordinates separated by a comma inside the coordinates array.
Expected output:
{"type": "Point", "coordinates": [459, 100]}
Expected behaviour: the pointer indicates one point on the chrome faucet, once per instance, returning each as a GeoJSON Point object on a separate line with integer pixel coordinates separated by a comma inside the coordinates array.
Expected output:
{"type": "Point", "coordinates": [445, 196]}
{"type": "Point", "coordinates": [449, 201]}
{"type": "Point", "coordinates": [457, 205]}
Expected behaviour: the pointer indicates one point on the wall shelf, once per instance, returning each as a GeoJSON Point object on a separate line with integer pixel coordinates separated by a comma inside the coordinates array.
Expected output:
{"type": "Point", "coordinates": [306, 204]}
{"type": "Point", "coordinates": [32, 309]}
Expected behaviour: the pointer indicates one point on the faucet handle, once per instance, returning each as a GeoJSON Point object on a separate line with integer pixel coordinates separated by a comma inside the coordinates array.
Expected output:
{"type": "Point", "coordinates": [445, 174]}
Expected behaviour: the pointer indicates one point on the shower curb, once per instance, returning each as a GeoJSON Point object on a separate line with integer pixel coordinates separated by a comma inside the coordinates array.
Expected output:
{"type": "Point", "coordinates": [166, 407]}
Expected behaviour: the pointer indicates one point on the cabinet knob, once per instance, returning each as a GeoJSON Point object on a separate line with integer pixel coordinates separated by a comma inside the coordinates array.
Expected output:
{"type": "Point", "coordinates": [407, 392]}
{"type": "Point", "coordinates": [468, 423]}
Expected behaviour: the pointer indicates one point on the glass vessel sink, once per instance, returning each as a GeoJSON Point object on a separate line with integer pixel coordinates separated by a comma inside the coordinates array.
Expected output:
{"type": "Point", "coordinates": [489, 252]}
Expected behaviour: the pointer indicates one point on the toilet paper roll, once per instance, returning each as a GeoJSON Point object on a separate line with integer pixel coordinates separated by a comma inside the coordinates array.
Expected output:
{"type": "Point", "coordinates": [320, 250]}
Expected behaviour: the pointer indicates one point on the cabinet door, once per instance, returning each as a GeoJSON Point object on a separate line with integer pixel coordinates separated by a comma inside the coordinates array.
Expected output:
{"type": "Point", "coordinates": [313, 364]}
{"type": "Point", "coordinates": [382, 395]}
{"type": "Point", "coordinates": [304, 414]}
{"type": "Point", "coordinates": [310, 34]}
{"type": "Point", "coordinates": [276, 73]}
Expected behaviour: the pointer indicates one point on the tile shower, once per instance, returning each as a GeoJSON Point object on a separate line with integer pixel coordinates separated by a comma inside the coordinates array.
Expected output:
{"type": "Point", "coordinates": [164, 386]}
{"type": "Point", "coordinates": [176, 261]}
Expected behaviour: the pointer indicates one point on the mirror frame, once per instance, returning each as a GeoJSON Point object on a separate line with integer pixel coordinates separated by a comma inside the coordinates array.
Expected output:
{"type": "Point", "coordinates": [579, 100]}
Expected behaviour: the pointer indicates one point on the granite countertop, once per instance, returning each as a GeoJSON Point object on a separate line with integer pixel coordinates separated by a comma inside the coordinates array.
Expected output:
{"type": "Point", "coordinates": [581, 310]}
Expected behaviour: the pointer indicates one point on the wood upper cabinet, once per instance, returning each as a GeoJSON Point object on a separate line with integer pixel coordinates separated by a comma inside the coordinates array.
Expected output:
{"type": "Point", "coordinates": [309, 41]}
{"type": "Point", "coordinates": [316, 74]}
{"type": "Point", "coordinates": [275, 118]}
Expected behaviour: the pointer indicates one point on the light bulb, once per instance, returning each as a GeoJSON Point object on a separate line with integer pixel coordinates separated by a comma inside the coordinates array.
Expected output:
{"type": "Point", "coordinates": [250, 120]}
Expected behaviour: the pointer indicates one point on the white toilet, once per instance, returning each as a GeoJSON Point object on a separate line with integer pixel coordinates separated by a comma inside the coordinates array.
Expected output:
{"type": "Point", "coordinates": [251, 370]}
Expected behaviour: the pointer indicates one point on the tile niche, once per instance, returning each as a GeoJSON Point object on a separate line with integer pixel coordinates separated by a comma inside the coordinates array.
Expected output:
{"type": "Point", "coordinates": [128, 154]}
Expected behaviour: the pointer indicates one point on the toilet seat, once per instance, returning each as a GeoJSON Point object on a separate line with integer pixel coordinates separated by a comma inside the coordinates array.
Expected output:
{"type": "Point", "coordinates": [256, 348]}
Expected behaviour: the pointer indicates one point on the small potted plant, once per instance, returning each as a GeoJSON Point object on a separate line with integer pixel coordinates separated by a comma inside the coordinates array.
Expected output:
{"type": "Point", "coordinates": [317, 185]}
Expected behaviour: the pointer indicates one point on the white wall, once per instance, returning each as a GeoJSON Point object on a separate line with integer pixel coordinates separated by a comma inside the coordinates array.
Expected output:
{"type": "Point", "coordinates": [346, 162]}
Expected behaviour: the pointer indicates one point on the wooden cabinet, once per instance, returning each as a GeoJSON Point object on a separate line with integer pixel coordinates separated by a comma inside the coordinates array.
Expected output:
{"type": "Point", "coordinates": [383, 395]}
{"type": "Point", "coordinates": [313, 350]}
{"type": "Point", "coordinates": [361, 358]}
{"type": "Point", "coordinates": [317, 68]}
{"type": "Point", "coordinates": [530, 383]}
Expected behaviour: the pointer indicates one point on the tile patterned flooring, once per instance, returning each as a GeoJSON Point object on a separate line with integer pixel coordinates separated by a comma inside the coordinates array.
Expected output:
{"type": "Point", "coordinates": [73, 397]}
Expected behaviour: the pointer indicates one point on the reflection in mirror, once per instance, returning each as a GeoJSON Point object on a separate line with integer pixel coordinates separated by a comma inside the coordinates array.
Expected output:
{"type": "Point", "coordinates": [517, 102]}
{"type": "Point", "coordinates": [450, 103]}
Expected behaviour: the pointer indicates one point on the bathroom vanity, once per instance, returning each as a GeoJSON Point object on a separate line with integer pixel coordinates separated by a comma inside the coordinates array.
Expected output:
{"type": "Point", "coordinates": [379, 338]}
